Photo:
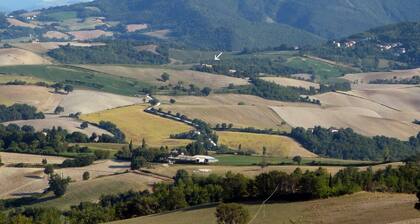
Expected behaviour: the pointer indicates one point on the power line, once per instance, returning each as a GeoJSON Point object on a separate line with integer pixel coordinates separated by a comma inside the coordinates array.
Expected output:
{"type": "Point", "coordinates": [263, 203]}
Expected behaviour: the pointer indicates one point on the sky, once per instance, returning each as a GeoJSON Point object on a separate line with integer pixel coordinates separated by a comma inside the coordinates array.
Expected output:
{"type": "Point", "coordinates": [11, 5]}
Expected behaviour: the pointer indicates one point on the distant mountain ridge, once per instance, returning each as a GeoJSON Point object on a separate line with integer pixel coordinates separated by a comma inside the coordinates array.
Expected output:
{"type": "Point", "coordinates": [12, 5]}
{"type": "Point", "coordinates": [235, 24]}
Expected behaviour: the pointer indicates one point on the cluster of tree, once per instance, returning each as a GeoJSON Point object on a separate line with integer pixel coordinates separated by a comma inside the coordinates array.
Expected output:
{"type": "Point", "coordinates": [53, 141]}
{"type": "Point", "coordinates": [19, 112]}
{"type": "Point", "coordinates": [181, 89]}
{"type": "Point", "coordinates": [115, 52]}
{"type": "Point", "coordinates": [61, 86]}
{"type": "Point", "coordinates": [272, 91]}
{"type": "Point", "coordinates": [415, 80]}
{"type": "Point", "coordinates": [196, 190]}
{"type": "Point", "coordinates": [249, 67]}
{"type": "Point", "coordinates": [346, 144]}
{"type": "Point", "coordinates": [112, 128]}
{"type": "Point", "coordinates": [339, 86]}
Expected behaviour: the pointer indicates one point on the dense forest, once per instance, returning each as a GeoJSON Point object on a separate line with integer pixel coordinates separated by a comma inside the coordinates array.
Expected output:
{"type": "Point", "coordinates": [346, 144]}
{"type": "Point", "coordinates": [115, 52]}
{"type": "Point", "coordinates": [194, 190]}
{"type": "Point", "coordinates": [19, 112]}
{"type": "Point", "coordinates": [53, 141]}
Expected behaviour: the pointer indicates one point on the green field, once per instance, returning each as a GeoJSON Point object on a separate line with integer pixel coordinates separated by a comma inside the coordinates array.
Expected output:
{"type": "Point", "coordinates": [61, 16]}
{"type": "Point", "coordinates": [239, 160]}
{"type": "Point", "coordinates": [323, 71]}
{"type": "Point", "coordinates": [79, 77]}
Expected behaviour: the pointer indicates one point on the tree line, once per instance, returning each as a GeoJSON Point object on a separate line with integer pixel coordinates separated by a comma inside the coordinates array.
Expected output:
{"type": "Point", "coordinates": [346, 144]}
{"type": "Point", "coordinates": [53, 141]}
{"type": "Point", "coordinates": [19, 112]}
{"type": "Point", "coordinates": [187, 190]}
{"type": "Point", "coordinates": [114, 52]}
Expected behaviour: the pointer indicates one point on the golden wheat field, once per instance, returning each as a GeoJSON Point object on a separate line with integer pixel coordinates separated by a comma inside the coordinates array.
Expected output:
{"type": "Point", "coordinates": [276, 145]}
{"type": "Point", "coordinates": [136, 125]}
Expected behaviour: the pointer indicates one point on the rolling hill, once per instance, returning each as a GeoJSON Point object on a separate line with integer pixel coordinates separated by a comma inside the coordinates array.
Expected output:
{"type": "Point", "coordinates": [235, 24]}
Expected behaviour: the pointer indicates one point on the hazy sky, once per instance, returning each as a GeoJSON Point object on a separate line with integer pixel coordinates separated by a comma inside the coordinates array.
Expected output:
{"type": "Point", "coordinates": [10, 5]}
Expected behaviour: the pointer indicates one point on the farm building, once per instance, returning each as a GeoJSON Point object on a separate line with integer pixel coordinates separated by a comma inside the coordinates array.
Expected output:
{"type": "Point", "coordinates": [198, 159]}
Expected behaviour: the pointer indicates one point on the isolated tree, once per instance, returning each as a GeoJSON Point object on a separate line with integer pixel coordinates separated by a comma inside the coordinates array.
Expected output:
{"type": "Point", "coordinates": [57, 87]}
{"type": "Point", "coordinates": [58, 185]}
{"type": "Point", "coordinates": [86, 175]}
{"type": "Point", "coordinates": [84, 125]}
{"type": "Point", "coordinates": [206, 91]}
{"type": "Point", "coordinates": [59, 110]}
{"type": "Point", "coordinates": [138, 162]}
{"type": "Point", "coordinates": [297, 159]}
{"type": "Point", "coordinates": [130, 146]}
{"type": "Point", "coordinates": [172, 101]}
{"type": "Point", "coordinates": [143, 143]}
{"type": "Point", "coordinates": [165, 77]}
{"type": "Point", "coordinates": [49, 169]}
{"type": "Point", "coordinates": [68, 88]}
{"type": "Point", "coordinates": [264, 158]}
{"type": "Point", "coordinates": [232, 214]}
{"type": "Point", "coordinates": [44, 162]}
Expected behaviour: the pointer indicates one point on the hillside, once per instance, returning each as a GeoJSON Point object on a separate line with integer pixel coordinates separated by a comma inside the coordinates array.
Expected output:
{"type": "Point", "coordinates": [388, 47]}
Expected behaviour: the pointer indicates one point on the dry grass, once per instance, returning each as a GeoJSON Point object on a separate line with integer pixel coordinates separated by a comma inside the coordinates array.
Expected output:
{"type": "Point", "coordinates": [15, 56]}
{"type": "Point", "coordinates": [276, 145]}
{"type": "Point", "coordinates": [37, 96]}
{"type": "Point", "coordinates": [136, 124]}
{"type": "Point", "coordinates": [364, 78]}
{"type": "Point", "coordinates": [92, 190]}
{"type": "Point", "coordinates": [18, 23]}
{"type": "Point", "coordinates": [153, 75]}
{"type": "Point", "coordinates": [56, 35]}
{"type": "Point", "coordinates": [89, 34]}
{"type": "Point", "coordinates": [363, 207]}
{"type": "Point", "coordinates": [291, 82]}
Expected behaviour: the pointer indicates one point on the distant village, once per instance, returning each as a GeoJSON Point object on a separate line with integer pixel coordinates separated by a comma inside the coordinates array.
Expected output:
{"type": "Point", "coordinates": [397, 47]}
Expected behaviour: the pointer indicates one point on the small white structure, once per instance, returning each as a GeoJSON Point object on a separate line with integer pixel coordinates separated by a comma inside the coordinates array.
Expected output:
{"type": "Point", "coordinates": [198, 159]}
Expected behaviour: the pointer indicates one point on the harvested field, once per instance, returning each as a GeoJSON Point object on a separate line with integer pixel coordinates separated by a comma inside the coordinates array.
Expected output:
{"type": "Point", "coordinates": [153, 75]}
{"type": "Point", "coordinates": [44, 47]}
{"type": "Point", "coordinates": [291, 82]}
{"type": "Point", "coordinates": [364, 78]}
{"type": "Point", "coordinates": [276, 145]}
{"type": "Point", "coordinates": [18, 23]}
{"type": "Point", "coordinates": [361, 120]}
{"type": "Point", "coordinates": [87, 101]}
{"type": "Point", "coordinates": [152, 48]}
{"type": "Point", "coordinates": [137, 124]}
{"type": "Point", "coordinates": [89, 34]}
{"type": "Point", "coordinates": [363, 207]}
{"type": "Point", "coordinates": [136, 27]}
{"type": "Point", "coordinates": [160, 34]}
{"type": "Point", "coordinates": [15, 56]}
{"type": "Point", "coordinates": [37, 96]}
{"type": "Point", "coordinates": [13, 158]}
{"type": "Point", "coordinates": [56, 35]}
{"type": "Point", "coordinates": [92, 190]}
{"type": "Point", "coordinates": [18, 182]}
{"type": "Point", "coordinates": [240, 110]}
{"type": "Point", "coordinates": [70, 124]}
{"type": "Point", "coordinates": [76, 24]}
